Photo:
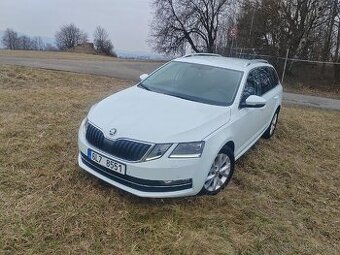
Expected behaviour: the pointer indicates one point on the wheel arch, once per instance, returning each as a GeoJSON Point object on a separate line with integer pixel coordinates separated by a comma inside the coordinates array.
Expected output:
{"type": "Point", "coordinates": [230, 145]}
{"type": "Point", "coordinates": [278, 109]}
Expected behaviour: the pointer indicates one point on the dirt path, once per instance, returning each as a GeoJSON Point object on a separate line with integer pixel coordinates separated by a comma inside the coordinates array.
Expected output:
{"type": "Point", "coordinates": [123, 69]}
{"type": "Point", "coordinates": [129, 69]}
{"type": "Point", "coordinates": [313, 101]}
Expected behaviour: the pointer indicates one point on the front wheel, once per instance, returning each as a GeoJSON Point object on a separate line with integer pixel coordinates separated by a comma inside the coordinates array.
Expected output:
{"type": "Point", "coordinates": [220, 172]}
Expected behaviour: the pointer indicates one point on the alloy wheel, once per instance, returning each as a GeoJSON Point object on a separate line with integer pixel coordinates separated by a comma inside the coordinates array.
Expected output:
{"type": "Point", "coordinates": [219, 173]}
{"type": "Point", "coordinates": [273, 124]}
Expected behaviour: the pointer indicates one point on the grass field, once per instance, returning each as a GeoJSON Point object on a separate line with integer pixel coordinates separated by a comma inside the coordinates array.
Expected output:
{"type": "Point", "coordinates": [284, 197]}
{"type": "Point", "coordinates": [316, 89]}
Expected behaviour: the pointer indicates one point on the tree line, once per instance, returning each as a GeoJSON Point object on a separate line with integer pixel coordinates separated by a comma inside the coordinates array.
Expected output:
{"type": "Point", "coordinates": [67, 38]}
{"type": "Point", "coordinates": [11, 40]}
{"type": "Point", "coordinates": [309, 29]}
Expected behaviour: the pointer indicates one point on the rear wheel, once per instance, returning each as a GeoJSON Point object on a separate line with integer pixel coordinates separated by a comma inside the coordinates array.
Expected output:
{"type": "Point", "coordinates": [220, 172]}
{"type": "Point", "coordinates": [272, 127]}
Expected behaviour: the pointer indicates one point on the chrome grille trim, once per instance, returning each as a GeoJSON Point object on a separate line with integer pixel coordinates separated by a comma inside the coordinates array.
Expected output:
{"type": "Point", "coordinates": [125, 149]}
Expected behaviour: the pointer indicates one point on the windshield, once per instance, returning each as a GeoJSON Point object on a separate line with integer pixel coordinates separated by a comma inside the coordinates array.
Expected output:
{"type": "Point", "coordinates": [195, 82]}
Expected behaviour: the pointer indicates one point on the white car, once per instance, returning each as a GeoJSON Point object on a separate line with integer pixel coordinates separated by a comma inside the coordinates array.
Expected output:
{"type": "Point", "coordinates": [179, 131]}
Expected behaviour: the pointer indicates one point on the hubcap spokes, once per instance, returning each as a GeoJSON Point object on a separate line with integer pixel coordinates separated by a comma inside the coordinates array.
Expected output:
{"type": "Point", "coordinates": [219, 173]}
{"type": "Point", "coordinates": [273, 124]}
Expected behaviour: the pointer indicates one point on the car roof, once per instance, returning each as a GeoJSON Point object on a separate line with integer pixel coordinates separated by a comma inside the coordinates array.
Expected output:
{"type": "Point", "coordinates": [223, 62]}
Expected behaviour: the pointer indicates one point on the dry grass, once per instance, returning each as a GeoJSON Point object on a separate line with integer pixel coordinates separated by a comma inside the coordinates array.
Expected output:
{"type": "Point", "coordinates": [319, 89]}
{"type": "Point", "coordinates": [54, 55]}
{"type": "Point", "coordinates": [284, 197]}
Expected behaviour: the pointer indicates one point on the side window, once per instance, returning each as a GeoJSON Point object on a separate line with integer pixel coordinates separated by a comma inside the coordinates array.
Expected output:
{"type": "Point", "coordinates": [260, 81]}
{"type": "Point", "coordinates": [253, 85]}
{"type": "Point", "coordinates": [266, 79]}
{"type": "Point", "coordinates": [275, 78]}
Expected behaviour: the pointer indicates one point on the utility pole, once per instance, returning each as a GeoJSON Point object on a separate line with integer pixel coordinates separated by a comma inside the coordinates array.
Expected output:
{"type": "Point", "coordinates": [285, 66]}
{"type": "Point", "coordinates": [251, 27]}
{"type": "Point", "coordinates": [252, 22]}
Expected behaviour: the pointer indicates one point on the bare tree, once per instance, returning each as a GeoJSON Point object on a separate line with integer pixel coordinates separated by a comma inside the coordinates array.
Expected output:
{"type": "Point", "coordinates": [337, 46]}
{"type": "Point", "coordinates": [10, 39]}
{"type": "Point", "coordinates": [337, 41]}
{"type": "Point", "coordinates": [50, 47]}
{"type": "Point", "coordinates": [302, 18]}
{"type": "Point", "coordinates": [37, 43]}
{"type": "Point", "coordinates": [41, 44]}
{"type": "Point", "coordinates": [102, 42]}
{"type": "Point", "coordinates": [70, 36]}
{"type": "Point", "coordinates": [177, 23]}
{"type": "Point", "coordinates": [34, 44]}
{"type": "Point", "coordinates": [25, 43]}
{"type": "Point", "coordinates": [333, 12]}
{"type": "Point", "coordinates": [278, 25]}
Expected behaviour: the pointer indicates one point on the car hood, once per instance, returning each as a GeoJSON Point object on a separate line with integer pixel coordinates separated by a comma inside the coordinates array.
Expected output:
{"type": "Point", "coordinates": [148, 116]}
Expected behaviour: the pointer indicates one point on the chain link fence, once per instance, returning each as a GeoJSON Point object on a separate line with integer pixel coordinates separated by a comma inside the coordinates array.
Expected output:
{"type": "Point", "coordinates": [298, 72]}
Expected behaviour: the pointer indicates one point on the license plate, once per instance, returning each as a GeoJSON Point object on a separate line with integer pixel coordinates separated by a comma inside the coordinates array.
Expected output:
{"type": "Point", "coordinates": [106, 162]}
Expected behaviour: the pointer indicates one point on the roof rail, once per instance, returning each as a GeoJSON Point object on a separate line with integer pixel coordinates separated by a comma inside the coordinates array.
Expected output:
{"type": "Point", "coordinates": [202, 54]}
{"type": "Point", "coordinates": [255, 61]}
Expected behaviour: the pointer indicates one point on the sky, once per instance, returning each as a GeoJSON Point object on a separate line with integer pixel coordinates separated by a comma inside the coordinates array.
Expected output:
{"type": "Point", "coordinates": [126, 21]}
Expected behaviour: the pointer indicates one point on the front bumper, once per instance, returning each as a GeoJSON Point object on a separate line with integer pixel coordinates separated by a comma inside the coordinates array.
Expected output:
{"type": "Point", "coordinates": [136, 183]}
{"type": "Point", "coordinates": [160, 178]}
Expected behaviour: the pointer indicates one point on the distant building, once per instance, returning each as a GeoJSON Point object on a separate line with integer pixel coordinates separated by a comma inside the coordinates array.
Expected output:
{"type": "Point", "coordinates": [85, 48]}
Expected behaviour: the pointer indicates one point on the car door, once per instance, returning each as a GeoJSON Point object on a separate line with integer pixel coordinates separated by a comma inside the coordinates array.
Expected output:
{"type": "Point", "coordinates": [268, 83]}
{"type": "Point", "coordinates": [249, 122]}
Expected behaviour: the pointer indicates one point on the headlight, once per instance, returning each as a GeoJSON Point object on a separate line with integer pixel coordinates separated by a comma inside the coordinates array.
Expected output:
{"type": "Point", "coordinates": [158, 151]}
{"type": "Point", "coordinates": [188, 150]}
{"type": "Point", "coordinates": [84, 125]}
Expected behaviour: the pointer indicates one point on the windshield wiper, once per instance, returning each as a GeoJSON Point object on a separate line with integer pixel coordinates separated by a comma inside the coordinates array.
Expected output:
{"type": "Point", "coordinates": [179, 96]}
{"type": "Point", "coordinates": [144, 87]}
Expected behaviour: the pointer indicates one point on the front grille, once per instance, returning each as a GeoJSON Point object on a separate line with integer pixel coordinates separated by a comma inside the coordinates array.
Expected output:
{"type": "Point", "coordinates": [123, 149]}
{"type": "Point", "coordinates": [137, 183]}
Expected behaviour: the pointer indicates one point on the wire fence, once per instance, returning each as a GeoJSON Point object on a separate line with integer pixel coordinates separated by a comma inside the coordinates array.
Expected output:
{"type": "Point", "coordinates": [295, 70]}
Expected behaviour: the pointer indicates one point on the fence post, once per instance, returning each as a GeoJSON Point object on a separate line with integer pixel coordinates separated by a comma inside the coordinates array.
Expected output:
{"type": "Point", "coordinates": [285, 66]}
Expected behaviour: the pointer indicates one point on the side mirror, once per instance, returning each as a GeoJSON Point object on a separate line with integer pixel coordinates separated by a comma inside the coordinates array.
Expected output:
{"type": "Point", "coordinates": [254, 102]}
{"type": "Point", "coordinates": [143, 76]}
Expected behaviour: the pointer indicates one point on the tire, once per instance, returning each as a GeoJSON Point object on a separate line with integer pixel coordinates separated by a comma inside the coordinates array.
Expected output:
{"type": "Point", "coordinates": [272, 126]}
{"type": "Point", "coordinates": [220, 173]}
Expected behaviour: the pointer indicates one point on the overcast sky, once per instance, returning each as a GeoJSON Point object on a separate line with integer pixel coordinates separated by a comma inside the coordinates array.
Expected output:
{"type": "Point", "coordinates": [127, 21]}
